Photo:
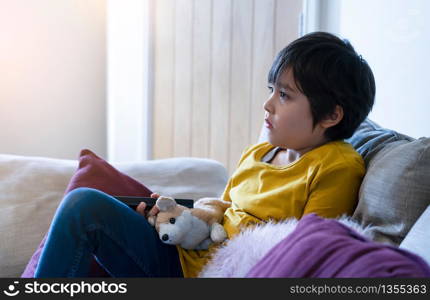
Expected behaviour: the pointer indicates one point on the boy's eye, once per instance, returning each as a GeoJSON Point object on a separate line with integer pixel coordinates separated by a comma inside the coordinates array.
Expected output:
{"type": "Point", "coordinates": [283, 95]}
{"type": "Point", "coordinates": [270, 88]}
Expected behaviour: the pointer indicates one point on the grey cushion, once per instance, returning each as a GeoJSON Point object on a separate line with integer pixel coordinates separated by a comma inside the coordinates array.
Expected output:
{"type": "Point", "coordinates": [395, 190]}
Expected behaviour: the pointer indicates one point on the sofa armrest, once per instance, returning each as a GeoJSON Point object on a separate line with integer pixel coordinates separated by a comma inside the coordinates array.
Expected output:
{"type": "Point", "coordinates": [181, 177]}
{"type": "Point", "coordinates": [418, 238]}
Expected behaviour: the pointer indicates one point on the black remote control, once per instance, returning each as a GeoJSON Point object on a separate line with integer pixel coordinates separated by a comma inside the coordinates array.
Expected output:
{"type": "Point", "coordinates": [133, 201]}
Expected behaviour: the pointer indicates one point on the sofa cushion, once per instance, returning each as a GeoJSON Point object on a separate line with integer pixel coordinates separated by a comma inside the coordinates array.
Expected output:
{"type": "Point", "coordinates": [395, 190]}
{"type": "Point", "coordinates": [32, 188]}
{"type": "Point", "coordinates": [325, 248]}
{"type": "Point", "coordinates": [97, 173]}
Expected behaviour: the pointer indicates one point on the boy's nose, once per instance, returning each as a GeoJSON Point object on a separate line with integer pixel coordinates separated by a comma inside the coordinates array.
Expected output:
{"type": "Point", "coordinates": [267, 105]}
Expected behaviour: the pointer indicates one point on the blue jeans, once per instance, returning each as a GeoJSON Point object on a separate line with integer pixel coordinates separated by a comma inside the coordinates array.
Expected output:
{"type": "Point", "coordinates": [89, 223]}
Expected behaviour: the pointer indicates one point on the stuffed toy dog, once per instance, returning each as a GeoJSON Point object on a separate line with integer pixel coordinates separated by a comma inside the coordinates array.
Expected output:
{"type": "Point", "coordinates": [191, 228]}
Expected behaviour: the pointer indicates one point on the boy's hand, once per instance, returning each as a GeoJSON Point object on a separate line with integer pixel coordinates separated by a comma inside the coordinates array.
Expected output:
{"type": "Point", "coordinates": [154, 210]}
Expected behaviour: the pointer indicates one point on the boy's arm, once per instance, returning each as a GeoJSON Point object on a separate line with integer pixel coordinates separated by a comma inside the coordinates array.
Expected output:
{"type": "Point", "coordinates": [335, 192]}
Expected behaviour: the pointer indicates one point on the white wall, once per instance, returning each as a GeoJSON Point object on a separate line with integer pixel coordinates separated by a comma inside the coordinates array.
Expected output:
{"type": "Point", "coordinates": [52, 82]}
{"type": "Point", "coordinates": [393, 36]}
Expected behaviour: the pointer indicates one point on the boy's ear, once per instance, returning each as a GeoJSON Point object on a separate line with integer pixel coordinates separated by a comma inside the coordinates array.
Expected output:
{"type": "Point", "coordinates": [334, 118]}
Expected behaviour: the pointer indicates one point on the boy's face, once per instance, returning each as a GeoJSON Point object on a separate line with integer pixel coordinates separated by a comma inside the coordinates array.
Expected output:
{"type": "Point", "coordinates": [288, 117]}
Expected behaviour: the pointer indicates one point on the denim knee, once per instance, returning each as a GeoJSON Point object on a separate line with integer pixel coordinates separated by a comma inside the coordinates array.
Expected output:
{"type": "Point", "coordinates": [85, 201]}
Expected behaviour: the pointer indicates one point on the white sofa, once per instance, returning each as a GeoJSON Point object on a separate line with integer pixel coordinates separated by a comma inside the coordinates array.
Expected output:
{"type": "Point", "coordinates": [32, 187]}
{"type": "Point", "coordinates": [394, 196]}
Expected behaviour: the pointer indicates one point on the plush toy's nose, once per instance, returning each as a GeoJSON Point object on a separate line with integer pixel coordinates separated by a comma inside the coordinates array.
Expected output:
{"type": "Point", "coordinates": [165, 237]}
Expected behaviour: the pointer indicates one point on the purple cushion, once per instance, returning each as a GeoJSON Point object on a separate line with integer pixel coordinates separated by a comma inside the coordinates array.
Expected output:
{"type": "Point", "coordinates": [326, 248]}
{"type": "Point", "coordinates": [94, 172]}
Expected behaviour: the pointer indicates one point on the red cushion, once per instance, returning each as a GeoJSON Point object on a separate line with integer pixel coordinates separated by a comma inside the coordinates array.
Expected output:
{"type": "Point", "coordinates": [94, 172]}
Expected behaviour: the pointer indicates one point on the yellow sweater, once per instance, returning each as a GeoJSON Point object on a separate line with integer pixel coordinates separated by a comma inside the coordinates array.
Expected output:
{"type": "Point", "coordinates": [324, 181]}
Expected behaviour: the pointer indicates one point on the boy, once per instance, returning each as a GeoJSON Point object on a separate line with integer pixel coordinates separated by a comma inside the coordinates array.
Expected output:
{"type": "Point", "coordinates": [320, 90]}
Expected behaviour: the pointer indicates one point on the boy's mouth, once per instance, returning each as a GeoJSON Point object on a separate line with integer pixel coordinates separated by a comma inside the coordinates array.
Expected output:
{"type": "Point", "coordinates": [268, 124]}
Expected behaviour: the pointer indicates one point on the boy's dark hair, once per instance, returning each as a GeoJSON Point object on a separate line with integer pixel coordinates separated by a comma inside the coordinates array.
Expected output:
{"type": "Point", "coordinates": [329, 72]}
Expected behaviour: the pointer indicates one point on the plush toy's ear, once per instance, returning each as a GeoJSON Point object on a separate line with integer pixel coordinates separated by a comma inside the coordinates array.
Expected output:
{"type": "Point", "coordinates": [165, 203]}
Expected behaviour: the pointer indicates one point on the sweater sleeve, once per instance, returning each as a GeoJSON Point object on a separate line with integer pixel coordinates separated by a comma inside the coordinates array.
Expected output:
{"type": "Point", "coordinates": [226, 194]}
{"type": "Point", "coordinates": [334, 192]}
